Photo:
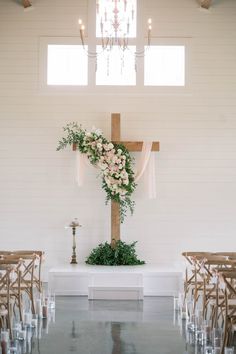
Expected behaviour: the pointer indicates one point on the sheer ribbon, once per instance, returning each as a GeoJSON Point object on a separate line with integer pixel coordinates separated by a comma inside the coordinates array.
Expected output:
{"type": "Point", "coordinates": [145, 169]}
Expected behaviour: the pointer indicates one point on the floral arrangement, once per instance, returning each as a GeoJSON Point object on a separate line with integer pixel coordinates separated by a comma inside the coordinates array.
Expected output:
{"type": "Point", "coordinates": [114, 161]}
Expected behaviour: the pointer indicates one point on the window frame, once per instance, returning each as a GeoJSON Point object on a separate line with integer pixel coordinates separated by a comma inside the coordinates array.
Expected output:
{"type": "Point", "coordinates": [43, 50]}
{"type": "Point", "coordinates": [92, 88]}
{"type": "Point", "coordinates": [118, 67]}
{"type": "Point", "coordinates": [82, 68]}
{"type": "Point", "coordinates": [173, 90]}
{"type": "Point", "coordinates": [155, 71]}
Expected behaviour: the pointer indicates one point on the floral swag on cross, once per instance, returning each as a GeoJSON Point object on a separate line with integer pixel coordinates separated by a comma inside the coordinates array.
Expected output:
{"type": "Point", "coordinates": [113, 160]}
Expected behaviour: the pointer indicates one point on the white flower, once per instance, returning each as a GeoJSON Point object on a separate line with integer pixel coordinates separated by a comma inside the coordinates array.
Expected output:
{"type": "Point", "coordinates": [126, 182]}
{"type": "Point", "coordinates": [110, 146]}
{"type": "Point", "coordinates": [108, 180]}
{"type": "Point", "coordinates": [124, 174]}
{"type": "Point", "coordinates": [96, 131]}
{"type": "Point", "coordinates": [99, 146]}
{"type": "Point", "coordinates": [114, 159]}
{"type": "Point", "coordinates": [103, 166]}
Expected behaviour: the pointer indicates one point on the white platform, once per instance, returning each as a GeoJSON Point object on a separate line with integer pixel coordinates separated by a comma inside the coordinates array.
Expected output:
{"type": "Point", "coordinates": [118, 282]}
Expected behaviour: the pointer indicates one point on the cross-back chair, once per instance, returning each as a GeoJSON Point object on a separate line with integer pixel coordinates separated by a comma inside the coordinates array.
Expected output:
{"type": "Point", "coordinates": [195, 274]}
{"type": "Point", "coordinates": [38, 265]}
{"type": "Point", "coordinates": [9, 294]}
{"type": "Point", "coordinates": [228, 304]}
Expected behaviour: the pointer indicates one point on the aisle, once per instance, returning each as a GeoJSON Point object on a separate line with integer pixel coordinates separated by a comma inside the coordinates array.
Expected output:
{"type": "Point", "coordinates": [112, 327]}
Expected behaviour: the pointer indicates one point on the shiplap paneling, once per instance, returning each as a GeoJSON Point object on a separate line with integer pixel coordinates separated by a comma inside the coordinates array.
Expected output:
{"type": "Point", "coordinates": [196, 167]}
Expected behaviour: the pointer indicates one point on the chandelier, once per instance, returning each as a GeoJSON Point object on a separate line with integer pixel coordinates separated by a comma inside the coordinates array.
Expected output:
{"type": "Point", "coordinates": [115, 25]}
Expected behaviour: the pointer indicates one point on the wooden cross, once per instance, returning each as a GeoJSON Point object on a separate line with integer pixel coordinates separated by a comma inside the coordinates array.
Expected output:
{"type": "Point", "coordinates": [132, 146]}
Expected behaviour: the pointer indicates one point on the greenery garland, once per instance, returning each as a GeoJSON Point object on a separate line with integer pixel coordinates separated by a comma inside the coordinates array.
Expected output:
{"type": "Point", "coordinates": [121, 254]}
{"type": "Point", "coordinates": [114, 161]}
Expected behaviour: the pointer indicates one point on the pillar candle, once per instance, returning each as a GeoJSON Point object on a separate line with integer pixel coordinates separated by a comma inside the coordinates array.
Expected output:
{"type": "Point", "coordinates": [39, 308]}
{"type": "Point", "coordinates": [45, 311]}
{"type": "Point", "coordinates": [4, 347]}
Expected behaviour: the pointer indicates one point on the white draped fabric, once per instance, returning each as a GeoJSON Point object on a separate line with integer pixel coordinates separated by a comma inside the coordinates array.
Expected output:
{"type": "Point", "coordinates": [81, 163]}
{"type": "Point", "coordinates": [145, 169]}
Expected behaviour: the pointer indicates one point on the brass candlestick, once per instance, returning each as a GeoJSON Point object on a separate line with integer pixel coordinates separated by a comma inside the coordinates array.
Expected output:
{"type": "Point", "coordinates": [73, 257]}
{"type": "Point", "coordinates": [74, 224]}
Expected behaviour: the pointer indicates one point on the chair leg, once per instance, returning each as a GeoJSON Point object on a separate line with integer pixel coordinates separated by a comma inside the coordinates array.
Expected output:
{"type": "Point", "coordinates": [32, 301]}
{"type": "Point", "coordinates": [2, 321]}
{"type": "Point", "coordinates": [9, 317]}
{"type": "Point", "coordinates": [185, 286]}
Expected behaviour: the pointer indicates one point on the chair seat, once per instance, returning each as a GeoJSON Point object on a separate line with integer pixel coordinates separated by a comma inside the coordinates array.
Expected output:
{"type": "Point", "coordinates": [232, 303]}
{"type": "Point", "coordinates": [213, 294]}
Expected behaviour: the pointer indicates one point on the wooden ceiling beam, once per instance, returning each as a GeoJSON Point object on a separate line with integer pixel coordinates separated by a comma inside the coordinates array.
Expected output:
{"type": "Point", "coordinates": [205, 4]}
{"type": "Point", "coordinates": [26, 3]}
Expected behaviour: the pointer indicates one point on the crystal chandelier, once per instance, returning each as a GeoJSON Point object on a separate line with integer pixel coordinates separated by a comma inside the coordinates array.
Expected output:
{"type": "Point", "coordinates": [115, 25]}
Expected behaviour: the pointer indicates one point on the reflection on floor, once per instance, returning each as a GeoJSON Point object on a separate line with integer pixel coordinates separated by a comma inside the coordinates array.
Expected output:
{"type": "Point", "coordinates": [111, 327]}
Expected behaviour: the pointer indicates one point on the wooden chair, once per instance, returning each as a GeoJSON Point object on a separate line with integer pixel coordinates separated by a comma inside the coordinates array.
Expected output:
{"type": "Point", "coordinates": [25, 280]}
{"type": "Point", "coordinates": [20, 272]}
{"type": "Point", "coordinates": [15, 283]}
{"type": "Point", "coordinates": [203, 279]}
{"type": "Point", "coordinates": [38, 265]}
{"type": "Point", "coordinates": [228, 305]}
{"type": "Point", "coordinates": [213, 265]}
{"type": "Point", "coordinates": [27, 276]}
{"type": "Point", "coordinates": [195, 274]}
{"type": "Point", "coordinates": [7, 277]}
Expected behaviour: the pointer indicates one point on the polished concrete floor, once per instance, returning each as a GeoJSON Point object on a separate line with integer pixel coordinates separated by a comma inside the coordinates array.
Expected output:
{"type": "Point", "coordinates": [110, 327]}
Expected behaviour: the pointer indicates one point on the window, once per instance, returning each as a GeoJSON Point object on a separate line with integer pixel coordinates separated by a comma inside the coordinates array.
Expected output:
{"type": "Point", "coordinates": [67, 65]}
{"type": "Point", "coordinates": [112, 60]}
{"type": "Point", "coordinates": [164, 66]}
{"type": "Point", "coordinates": [115, 67]}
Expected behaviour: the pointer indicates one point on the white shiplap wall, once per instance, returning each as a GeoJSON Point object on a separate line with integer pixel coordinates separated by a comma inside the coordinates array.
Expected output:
{"type": "Point", "coordinates": [196, 172]}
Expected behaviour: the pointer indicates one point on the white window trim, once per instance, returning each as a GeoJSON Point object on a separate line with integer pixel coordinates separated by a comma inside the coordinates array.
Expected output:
{"type": "Point", "coordinates": [44, 88]}
{"type": "Point", "coordinates": [173, 90]}
{"type": "Point", "coordinates": [92, 89]}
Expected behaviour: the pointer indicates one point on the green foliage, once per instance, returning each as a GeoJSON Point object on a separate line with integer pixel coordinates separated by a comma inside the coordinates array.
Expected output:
{"type": "Point", "coordinates": [120, 254]}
